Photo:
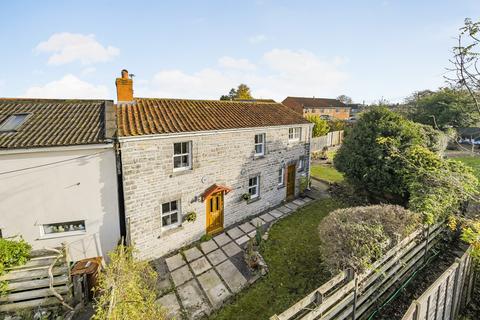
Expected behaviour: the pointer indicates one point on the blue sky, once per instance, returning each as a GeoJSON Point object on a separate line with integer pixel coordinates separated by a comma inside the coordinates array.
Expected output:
{"type": "Point", "coordinates": [200, 49]}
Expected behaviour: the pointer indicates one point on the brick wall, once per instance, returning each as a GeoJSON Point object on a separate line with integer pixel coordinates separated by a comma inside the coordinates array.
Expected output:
{"type": "Point", "coordinates": [337, 113]}
{"type": "Point", "coordinates": [223, 158]}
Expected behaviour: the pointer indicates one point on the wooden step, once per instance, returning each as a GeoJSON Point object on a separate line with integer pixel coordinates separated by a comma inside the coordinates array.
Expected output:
{"type": "Point", "coordinates": [37, 262]}
{"type": "Point", "coordinates": [36, 284]}
{"type": "Point", "coordinates": [32, 273]}
{"type": "Point", "coordinates": [11, 307]}
{"type": "Point", "coordinates": [32, 294]}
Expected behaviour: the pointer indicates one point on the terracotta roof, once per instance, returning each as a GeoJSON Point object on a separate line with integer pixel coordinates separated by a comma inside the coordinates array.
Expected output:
{"type": "Point", "coordinates": [156, 116]}
{"type": "Point", "coordinates": [55, 122]}
{"type": "Point", "coordinates": [299, 103]}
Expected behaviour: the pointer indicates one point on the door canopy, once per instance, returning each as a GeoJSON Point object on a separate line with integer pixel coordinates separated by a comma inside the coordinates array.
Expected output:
{"type": "Point", "coordinates": [214, 189]}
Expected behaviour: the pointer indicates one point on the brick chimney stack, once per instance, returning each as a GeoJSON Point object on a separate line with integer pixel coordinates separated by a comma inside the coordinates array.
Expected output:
{"type": "Point", "coordinates": [124, 87]}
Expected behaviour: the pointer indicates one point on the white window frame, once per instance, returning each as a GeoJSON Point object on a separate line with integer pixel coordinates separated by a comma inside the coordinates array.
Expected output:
{"type": "Point", "coordinates": [188, 153]}
{"type": "Point", "coordinates": [45, 235]}
{"type": "Point", "coordinates": [294, 133]}
{"type": "Point", "coordinates": [301, 164]}
{"type": "Point", "coordinates": [281, 176]}
{"type": "Point", "coordinates": [262, 144]}
{"type": "Point", "coordinates": [11, 118]}
{"type": "Point", "coordinates": [256, 186]}
{"type": "Point", "coordinates": [169, 213]}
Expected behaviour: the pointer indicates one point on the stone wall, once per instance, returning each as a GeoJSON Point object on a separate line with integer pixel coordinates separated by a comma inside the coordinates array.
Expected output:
{"type": "Point", "coordinates": [225, 158]}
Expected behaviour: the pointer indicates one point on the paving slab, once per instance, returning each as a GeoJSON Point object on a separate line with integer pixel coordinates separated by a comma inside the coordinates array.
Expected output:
{"type": "Point", "coordinates": [267, 218]}
{"type": "Point", "coordinates": [175, 262]}
{"type": "Point", "coordinates": [257, 222]}
{"type": "Point", "coordinates": [275, 213]}
{"type": "Point", "coordinates": [231, 249]}
{"type": "Point", "coordinates": [242, 240]}
{"type": "Point", "coordinates": [307, 199]}
{"type": "Point", "coordinates": [247, 227]}
{"type": "Point", "coordinates": [216, 257]}
{"type": "Point", "coordinates": [181, 275]}
{"type": "Point", "coordinates": [192, 254]}
{"type": "Point", "coordinates": [208, 246]}
{"type": "Point", "coordinates": [193, 300]}
{"type": "Point", "coordinates": [291, 205]}
{"type": "Point", "coordinates": [298, 202]}
{"type": "Point", "coordinates": [235, 233]}
{"type": "Point", "coordinates": [199, 266]}
{"type": "Point", "coordinates": [222, 239]}
{"type": "Point", "coordinates": [213, 287]}
{"type": "Point", "coordinates": [170, 303]}
{"type": "Point", "coordinates": [284, 209]}
{"type": "Point", "coordinates": [252, 234]}
{"type": "Point", "coordinates": [232, 277]}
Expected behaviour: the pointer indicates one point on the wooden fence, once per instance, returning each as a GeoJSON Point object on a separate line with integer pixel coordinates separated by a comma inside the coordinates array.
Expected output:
{"type": "Point", "coordinates": [352, 296]}
{"type": "Point", "coordinates": [447, 295]}
{"type": "Point", "coordinates": [333, 138]}
{"type": "Point", "coordinates": [43, 281]}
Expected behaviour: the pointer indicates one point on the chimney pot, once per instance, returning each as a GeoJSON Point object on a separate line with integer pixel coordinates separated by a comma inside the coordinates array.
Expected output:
{"type": "Point", "coordinates": [124, 87]}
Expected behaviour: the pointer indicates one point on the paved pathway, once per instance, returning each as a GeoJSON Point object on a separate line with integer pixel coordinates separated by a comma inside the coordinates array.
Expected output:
{"type": "Point", "coordinates": [204, 276]}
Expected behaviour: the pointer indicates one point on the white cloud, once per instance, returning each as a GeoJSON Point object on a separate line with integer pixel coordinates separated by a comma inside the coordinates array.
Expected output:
{"type": "Point", "coordinates": [88, 70]}
{"type": "Point", "coordinates": [257, 38]}
{"type": "Point", "coordinates": [68, 87]}
{"type": "Point", "coordinates": [232, 63]}
{"type": "Point", "coordinates": [69, 47]}
{"type": "Point", "coordinates": [279, 73]}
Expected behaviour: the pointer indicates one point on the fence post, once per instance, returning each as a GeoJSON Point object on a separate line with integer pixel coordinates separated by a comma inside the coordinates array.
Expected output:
{"type": "Point", "coordinates": [426, 244]}
{"type": "Point", "coordinates": [456, 285]}
{"type": "Point", "coordinates": [355, 295]}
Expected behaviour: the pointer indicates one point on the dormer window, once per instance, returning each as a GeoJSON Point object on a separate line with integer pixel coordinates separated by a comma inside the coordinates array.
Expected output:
{"type": "Point", "coordinates": [13, 122]}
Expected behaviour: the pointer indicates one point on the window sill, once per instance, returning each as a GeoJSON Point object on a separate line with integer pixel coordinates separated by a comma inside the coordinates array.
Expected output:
{"type": "Point", "coordinates": [252, 200]}
{"type": "Point", "coordinates": [258, 156]}
{"type": "Point", "coordinates": [171, 230]}
{"type": "Point", "coordinates": [179, 172]}
{"type": "Point", "coordinates": [62, 235]}
{"type": "Point", "coordinates": [280, 187]}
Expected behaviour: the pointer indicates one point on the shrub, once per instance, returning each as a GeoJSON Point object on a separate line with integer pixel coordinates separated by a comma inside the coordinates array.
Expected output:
{"type": "Point", "coordinates": [13, 253]}
{"type": "Point", "coordinates": [356, 237]}
{"type": "Point", "coordinates": [127, 289]}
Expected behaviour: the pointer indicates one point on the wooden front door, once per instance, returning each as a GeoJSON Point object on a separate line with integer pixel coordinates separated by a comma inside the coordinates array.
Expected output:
{"type": "Point", "coordinates": [214, 205]}
{"type": "Point", "coordinates": [291, 181]}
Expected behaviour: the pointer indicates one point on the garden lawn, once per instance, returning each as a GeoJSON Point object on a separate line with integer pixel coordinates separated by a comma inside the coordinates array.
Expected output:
{"type": "Point", "coordinates": [294, 262]}
{"type": "Point", "coordinates": [326, 173]}
{"type": "Point", "coordinates": [473, 162]}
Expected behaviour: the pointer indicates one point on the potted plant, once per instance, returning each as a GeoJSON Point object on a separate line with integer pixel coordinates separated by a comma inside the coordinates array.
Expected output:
{"type": "Point", "coordinates": [246, 196]}
{"type": "Point", "coordinates": [190, 216]}
{"type": "Point", "coordinates": [304, 184]}
{"type": "Point", "coordinates": [251, 256]}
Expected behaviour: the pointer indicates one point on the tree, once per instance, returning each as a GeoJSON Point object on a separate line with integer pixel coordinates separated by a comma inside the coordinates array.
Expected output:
{"type": "Point", "coordinates": [345, 99]}
{"type": "Point", "coordinates": [241, 93]}
{"type": "Point", "coordinates": [127, 289]}
{"type": "Point", "coordinates": [337, 124]}
{"type": "Point", "coordinates": [320, 127]}
{"type": "Point", "coordinates": [367, 164]}
{"type": "Point", "coordinates": [443, 109]}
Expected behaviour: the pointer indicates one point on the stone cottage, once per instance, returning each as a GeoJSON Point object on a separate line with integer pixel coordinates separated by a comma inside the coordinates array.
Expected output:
{"type": "Point", "coordinates": [194, 167]}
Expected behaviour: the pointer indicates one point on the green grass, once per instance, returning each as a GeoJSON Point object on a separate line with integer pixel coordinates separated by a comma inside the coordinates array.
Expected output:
{"type": "Point", "coordinates": [295, 266]}
{"type": "Point", "coordinates": [473, 162]}
{"type": "Point", "coordinates": [326, 173]}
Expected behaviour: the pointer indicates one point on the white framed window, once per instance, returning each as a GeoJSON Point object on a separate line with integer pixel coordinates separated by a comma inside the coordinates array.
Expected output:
{"type": "Point", "coordinates": [301, 163]}
{"type": "Point", "coordinates": [281, 176]}
{"type": "Point", "coordinates": [254, 187]}
{"type": "Point", "coordinates": [60, 229]}
{"type": "Point", "coordinates": [182, 155]}
{"type": "Point", "coordinates": [13, 122]}
{"type": "Point", "coordinates": [260, 144]}
{"type": "Point", "coordinates": [170, 214]}
{"type": "Point", "coordinates": [294, 133]}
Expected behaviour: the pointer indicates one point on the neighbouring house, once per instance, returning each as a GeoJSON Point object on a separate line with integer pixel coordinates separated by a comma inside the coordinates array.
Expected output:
{"type": "Point", "coordinates": [58, 179]}
{"type": "Point", "coordinates": [213, 162]}
{"type": "Point", "coordinates": [325, 108]}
